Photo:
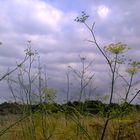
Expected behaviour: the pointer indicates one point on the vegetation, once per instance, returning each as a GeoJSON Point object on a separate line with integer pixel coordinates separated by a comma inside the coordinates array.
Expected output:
{"type": "Point", "coordinates": [34, 114]}
{"type": "Point", "coordinates": [88, 125]}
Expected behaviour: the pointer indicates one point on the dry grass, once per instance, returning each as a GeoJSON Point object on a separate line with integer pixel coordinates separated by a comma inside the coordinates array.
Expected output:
{"type": "Point", "coordinates": [54, 127]}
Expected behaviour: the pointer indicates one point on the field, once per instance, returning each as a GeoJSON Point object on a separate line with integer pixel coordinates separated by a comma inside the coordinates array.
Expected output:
{"type": "Point", "coordinates": [59, 126]}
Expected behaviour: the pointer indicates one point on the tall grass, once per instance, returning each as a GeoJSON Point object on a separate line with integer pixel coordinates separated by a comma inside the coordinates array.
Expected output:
{"type": "Point", "coordinates": [56, 129]}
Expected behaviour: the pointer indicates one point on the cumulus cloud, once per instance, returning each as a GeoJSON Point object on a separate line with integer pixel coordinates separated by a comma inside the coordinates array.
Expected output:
{"type": "Point", "coordinates": [30, 16]}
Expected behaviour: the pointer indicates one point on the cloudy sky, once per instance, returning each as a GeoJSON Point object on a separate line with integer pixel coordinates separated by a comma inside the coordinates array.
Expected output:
{"type": "Point", "coordinates": [50, 25]}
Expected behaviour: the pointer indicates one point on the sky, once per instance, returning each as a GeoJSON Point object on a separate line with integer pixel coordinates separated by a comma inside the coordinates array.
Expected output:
{"type": "Point", "coordinates": [50, 26]}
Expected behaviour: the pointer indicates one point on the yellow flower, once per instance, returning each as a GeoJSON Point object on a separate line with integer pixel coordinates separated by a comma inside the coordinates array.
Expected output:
{"type": "Point", "coordinates": [116, 48]}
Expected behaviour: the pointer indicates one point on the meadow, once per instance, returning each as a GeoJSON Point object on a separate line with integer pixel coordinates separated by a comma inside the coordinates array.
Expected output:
{"type": "Point", "coordinates": [67, 123]}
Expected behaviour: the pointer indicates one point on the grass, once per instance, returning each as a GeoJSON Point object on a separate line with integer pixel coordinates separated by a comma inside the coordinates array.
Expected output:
{"type": "Point", "coordinates": [54, 127]}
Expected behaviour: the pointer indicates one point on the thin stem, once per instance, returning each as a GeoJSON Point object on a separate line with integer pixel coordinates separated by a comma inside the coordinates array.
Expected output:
{"type": "Point", "coordinates": [2, 132]}
{"type": "Point", "coordinates": [13, 70]}
{"type": "Point", "coordinates": [129, 87]}
{"type": "Point", "coordinates": [104, 130]}
{"type": "Point", "coordinates": [113, 79]}
{"type": "Point", "coordinates": [68, 86]}
{"type": "Point", "coordinates": [134, 97]}
{"type": "Point", "coordinates": [95, 42]}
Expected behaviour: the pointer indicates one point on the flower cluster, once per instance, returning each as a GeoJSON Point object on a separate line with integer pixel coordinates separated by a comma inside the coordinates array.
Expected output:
{"type": "Point", "coordinates": [82, 18]}
{"type": "Point", "coordinates": [116, 48]}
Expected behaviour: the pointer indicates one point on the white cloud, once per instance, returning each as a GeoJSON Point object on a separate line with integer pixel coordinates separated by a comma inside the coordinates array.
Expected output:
{"type": "Point", "coordinates": [103, 11]}
{"type": "Point", "coordinates": [30, 15]}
